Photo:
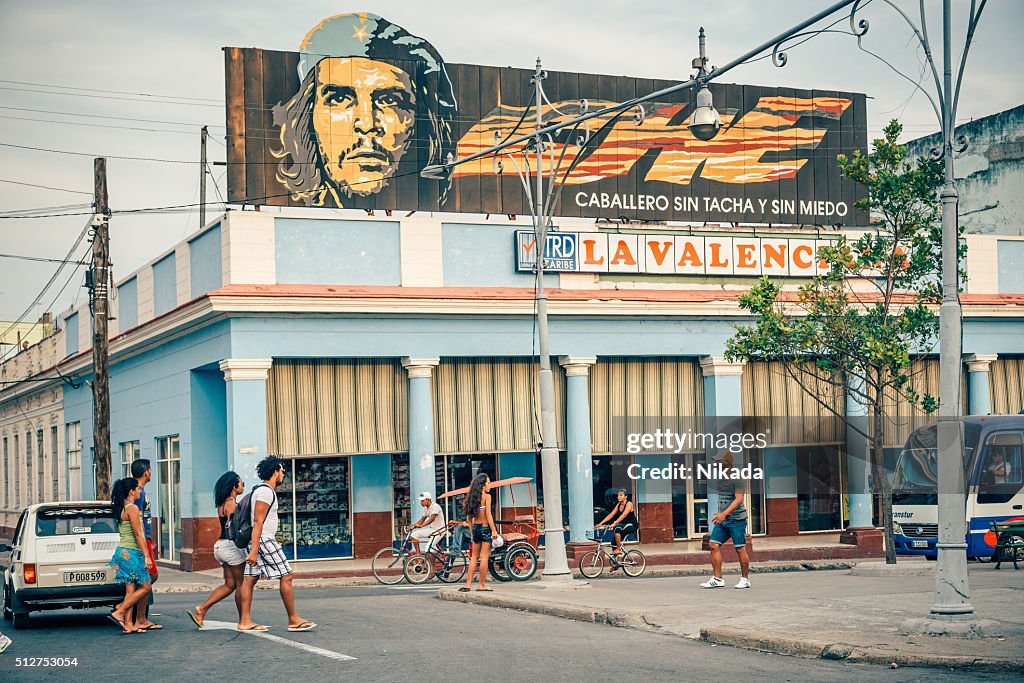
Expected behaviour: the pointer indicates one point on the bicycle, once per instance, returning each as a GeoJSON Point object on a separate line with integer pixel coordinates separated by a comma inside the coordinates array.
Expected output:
{"type": "Point", "coordinates": [447, 564]}
{"type": "Point", "coordinates": [632, 562]}
{"type": "Point", "coordinates": [388, 563]}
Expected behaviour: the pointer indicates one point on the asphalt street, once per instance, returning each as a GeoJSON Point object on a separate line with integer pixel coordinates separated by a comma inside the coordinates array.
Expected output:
{"type": "Point", "coordinates": [397, 634]}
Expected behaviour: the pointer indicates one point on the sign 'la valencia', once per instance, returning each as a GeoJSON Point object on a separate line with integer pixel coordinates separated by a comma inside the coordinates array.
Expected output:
{"type": "Point", "coordinates": [598, 252]}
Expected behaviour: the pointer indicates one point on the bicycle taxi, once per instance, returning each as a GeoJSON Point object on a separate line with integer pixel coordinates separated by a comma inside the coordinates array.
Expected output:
{"type": "Point", "coordinates": [516, 558]}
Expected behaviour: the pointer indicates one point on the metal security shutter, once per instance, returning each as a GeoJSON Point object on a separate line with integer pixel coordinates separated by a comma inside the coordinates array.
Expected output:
{"type": "Point", "coordinates": [489, 405]}
{"type": "Point", "coordinates": [1006, 385]}
{"type": "Point", "coordinates": [643, 387]}
{"type": "Point", "coordinates": [330, 406]}
{"type": "Point", "coordinates": [796, 416]}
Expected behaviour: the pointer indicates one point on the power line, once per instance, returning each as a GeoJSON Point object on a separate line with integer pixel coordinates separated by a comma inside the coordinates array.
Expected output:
{"type": "Point", "coordinates": [44, 187]}
{"type": "Point", "coordinates": [71, 277]}
{"type": "Point", "coordinates": [43, 209]}
{"type": "Point", "coordinates": [97, 125]}
{"type": "Point", "coordinates": [53, 278]}
{"type": "Point", "coordinates": [109, 97]}
{"type": "Point", "coordinates": [101, 90]}
{"type": "Point", "coordinates": [41, 259]}
{"type": "Point", "coordinates": [117, 118]}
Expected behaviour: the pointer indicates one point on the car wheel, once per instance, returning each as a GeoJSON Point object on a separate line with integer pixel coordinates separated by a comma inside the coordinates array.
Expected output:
{"type": "Point", "coordinates": [20, 620]}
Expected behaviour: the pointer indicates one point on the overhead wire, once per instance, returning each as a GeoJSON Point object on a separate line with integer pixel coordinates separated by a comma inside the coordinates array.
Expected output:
{"type": "Point", "coordinates": [45, 187]}
{"type": "Point", "coordinates": [39, 297]}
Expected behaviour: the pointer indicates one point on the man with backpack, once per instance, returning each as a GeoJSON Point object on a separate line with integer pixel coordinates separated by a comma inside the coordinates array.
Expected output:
{"type": "Point", "coordinates": [257, 524]}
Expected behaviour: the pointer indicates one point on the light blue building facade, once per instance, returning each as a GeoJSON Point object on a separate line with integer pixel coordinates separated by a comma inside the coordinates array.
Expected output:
{"type": "Point", "coordinates": [385, 357]}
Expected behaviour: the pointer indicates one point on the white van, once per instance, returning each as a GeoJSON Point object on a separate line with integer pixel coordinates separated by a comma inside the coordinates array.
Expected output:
{"type": "Point", "coordinates": [59, 558]}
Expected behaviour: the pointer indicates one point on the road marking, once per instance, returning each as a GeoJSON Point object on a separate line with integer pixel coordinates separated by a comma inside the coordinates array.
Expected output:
{"type": "Point", "coordinates": [414, 588]}
{"type": "Point", "coordinates": [210, 625]}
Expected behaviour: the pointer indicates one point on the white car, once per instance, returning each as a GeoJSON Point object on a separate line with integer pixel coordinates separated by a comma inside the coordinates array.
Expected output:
{"type": "Point", "coordinates": [59, 558]}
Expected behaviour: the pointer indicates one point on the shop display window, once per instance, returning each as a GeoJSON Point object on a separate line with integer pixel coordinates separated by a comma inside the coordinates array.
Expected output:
{"type": "Point", "coordinates": [402, 498]}
{"type": "Point", "coordinates": [819, 483]}
{"type": "Point", "coordinates": [314, 509]}
{"type": "Point", "coordinates": [456, 471]}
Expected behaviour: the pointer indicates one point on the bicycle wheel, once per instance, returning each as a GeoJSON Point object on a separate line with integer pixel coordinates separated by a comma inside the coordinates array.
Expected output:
{"type": "Point", "coordinates": [453, 567]}
{"type": "Point", "coordinates": [591, 564]}
{"type": "Point", "coordinates": [418, 568]}
{"type": "Point", "coordinates": [497, 569]}
{"type": "Point", "coordinates": [387, 566]}
{"type": "Point", "coordinates": [634, 563]}
{"type": "Point", "coordinates": [521, 563]}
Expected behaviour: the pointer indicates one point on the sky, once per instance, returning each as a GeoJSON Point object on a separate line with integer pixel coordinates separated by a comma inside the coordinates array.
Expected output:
{"type": "Point", "coordinates": [145, 76]}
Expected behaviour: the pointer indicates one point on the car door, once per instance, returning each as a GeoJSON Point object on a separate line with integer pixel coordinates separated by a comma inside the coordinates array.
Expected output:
{"type": "Point", "coordinates": [18, 544]}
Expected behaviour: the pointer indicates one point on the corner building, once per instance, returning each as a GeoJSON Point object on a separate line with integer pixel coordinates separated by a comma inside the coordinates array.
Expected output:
{"type": "Point", "coordinates": [382, 357]}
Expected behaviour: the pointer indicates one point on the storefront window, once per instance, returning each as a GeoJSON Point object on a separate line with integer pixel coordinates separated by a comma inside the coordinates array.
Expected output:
{"type": "Point", "coordinates": [313, 507]}
{"type": "Point", "coordinates": [402, 499]}
{"type": "Point", "coordinates": [457, 471]}
{"type": "Point", "coordinates": [610, 475]}
{"type": "Point", "coordinates": [819, 481]}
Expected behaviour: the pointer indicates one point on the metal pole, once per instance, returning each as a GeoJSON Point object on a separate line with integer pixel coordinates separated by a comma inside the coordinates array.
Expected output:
{"type": "Point", "coordinates": [952, 592]}
{"type": "Point", "coordinates": [556, 564]}
{"type": "Point", "coordinates": [202, 177]}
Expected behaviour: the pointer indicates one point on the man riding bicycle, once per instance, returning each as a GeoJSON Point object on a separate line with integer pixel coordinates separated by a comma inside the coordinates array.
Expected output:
{"type": "Point", "coordinates": [431, 522]}
{"type": "Point", "coordinates": [625, 522]}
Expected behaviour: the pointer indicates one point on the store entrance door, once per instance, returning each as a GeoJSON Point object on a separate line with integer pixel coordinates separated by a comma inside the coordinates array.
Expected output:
{"type": "Point", "coordinates": [690, 499]}
{"type": "Point", "coordinates": [168, 482]}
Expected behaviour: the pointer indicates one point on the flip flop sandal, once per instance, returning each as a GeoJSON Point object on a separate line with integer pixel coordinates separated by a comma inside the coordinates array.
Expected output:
{"type": "Point", "coordinates": [155, 627]}
{"type": "Point", "coordinates": [465, 590]}
{"type": "Point", "coordinates": [484, 590]}
{"type": "Point", "coordinates": [304, 626]}
{"type": "Point", "coordinates": [195, 619]}
{"type": "Point", "coordinates": [256, 627]}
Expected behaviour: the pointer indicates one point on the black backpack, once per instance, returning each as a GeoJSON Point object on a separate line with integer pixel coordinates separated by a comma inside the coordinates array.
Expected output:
{"type": "Point", "coordinates": [240, 521]}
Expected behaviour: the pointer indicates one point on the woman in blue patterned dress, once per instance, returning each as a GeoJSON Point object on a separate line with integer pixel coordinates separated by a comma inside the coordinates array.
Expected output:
{"type": "Point", "coordinates": [131, 564]}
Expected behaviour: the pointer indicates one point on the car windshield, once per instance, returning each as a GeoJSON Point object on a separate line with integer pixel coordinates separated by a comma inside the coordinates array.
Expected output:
{"type": "Point", "coordinates": [917, 466]}
{"type": "Point", "coordinates": [66, 521]}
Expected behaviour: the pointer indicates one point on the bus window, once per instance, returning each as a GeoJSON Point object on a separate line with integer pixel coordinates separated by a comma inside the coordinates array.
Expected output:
{"type": "Point", "coordinates": [1000, 474]}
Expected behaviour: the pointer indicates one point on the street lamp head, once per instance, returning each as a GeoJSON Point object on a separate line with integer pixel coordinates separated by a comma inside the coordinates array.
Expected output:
{"type": "Point", "coordinates": [436, 171]}
{"type": "Point", "coordinates": [705, 122]}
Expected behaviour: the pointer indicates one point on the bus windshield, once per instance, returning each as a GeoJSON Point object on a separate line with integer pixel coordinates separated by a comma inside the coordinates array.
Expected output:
{"type": "Point", "coordinates": [917, 466]}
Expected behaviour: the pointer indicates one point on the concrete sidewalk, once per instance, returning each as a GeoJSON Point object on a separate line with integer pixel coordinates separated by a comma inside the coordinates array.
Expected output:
{"type": "Point", "coordinates": [831, 615]}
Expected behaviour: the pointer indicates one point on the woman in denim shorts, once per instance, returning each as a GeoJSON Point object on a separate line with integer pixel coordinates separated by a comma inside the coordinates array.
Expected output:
{"type": "Point", "coordinates": [230, 556]}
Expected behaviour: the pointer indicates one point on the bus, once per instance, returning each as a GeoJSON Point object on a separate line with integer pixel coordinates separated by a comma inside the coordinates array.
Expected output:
{"type": "Point", "coordinates": [992, 459]}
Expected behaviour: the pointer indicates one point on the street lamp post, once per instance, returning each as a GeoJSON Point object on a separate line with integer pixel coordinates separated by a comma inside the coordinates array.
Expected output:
{"type": "Point", "coordinates": [951, 587]}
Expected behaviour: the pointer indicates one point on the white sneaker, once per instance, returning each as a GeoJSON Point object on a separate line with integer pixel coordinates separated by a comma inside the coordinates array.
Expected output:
{"type": "Point", "coordinates": [5, 642]}
{"type": "Point", "coordinates": [713, 582]}
{"type": "Point", "coordinates": [743, 583]}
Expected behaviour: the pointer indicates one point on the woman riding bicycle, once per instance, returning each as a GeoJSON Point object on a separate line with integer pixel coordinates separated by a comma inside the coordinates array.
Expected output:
{"type": "Point", "coordinates": [625, 523]}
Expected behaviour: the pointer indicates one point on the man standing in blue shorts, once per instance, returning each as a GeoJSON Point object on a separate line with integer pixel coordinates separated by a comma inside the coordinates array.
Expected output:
{"type": "Point", "coordinates": [730, 522]}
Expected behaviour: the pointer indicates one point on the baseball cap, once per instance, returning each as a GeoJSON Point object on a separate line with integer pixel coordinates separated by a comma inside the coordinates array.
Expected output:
{"type": "Point", "coordinates": [426, 495]}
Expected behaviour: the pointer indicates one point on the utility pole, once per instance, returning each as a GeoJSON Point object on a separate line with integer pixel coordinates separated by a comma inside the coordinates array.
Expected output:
{"type": "Point", "coordinates": [202, 177]}
{"type": "Point", "coordinates": [100, 338]}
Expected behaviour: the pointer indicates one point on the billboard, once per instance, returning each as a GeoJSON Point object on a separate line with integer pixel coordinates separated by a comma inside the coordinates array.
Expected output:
{"type": "Point", "coordinates": [350, 119]}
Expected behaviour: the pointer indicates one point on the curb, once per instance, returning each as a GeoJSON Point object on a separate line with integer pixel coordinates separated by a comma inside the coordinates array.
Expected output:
{"type": "Point", "coordinates": [741, 639]}
{"type": "Point", "coordinates": [851, 653]}
{"type": "Point", "coordinates": [618, 618]}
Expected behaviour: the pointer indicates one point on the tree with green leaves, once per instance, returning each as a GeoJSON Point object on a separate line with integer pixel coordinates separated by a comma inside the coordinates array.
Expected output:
{"type": "Point", "coordinates": [860, 324]}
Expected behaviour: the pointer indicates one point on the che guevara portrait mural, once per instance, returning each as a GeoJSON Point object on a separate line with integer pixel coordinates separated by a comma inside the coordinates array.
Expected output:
{"type": "Point", "coordinates": [351, 118]}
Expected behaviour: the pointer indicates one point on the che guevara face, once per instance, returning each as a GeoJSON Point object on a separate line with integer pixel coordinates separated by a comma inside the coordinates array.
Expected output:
{"type": "Point", "coordinates": [364, 119]}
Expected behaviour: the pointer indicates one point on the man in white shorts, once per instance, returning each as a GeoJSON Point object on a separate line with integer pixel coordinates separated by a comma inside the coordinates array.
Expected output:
{"type": "Point", "coordinates": [266, 558]}
{"type": "Point", "coordinates": [431, 522]}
